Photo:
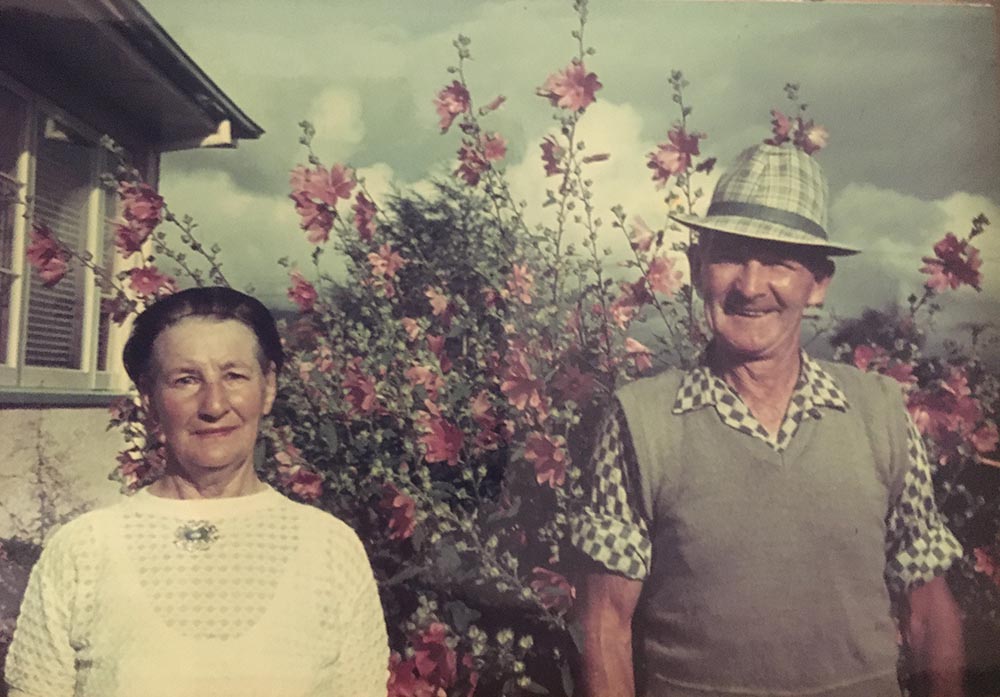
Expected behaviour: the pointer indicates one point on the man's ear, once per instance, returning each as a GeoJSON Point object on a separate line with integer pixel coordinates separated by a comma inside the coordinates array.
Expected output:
{"type": "Point", "coordinates": [694, 263]}
{"type": "Point", "coordinates": [818, 294]}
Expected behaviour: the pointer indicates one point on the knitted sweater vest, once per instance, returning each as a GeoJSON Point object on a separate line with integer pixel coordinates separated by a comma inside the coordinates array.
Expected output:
{"type": "Point", "coordinates": [767, 572]}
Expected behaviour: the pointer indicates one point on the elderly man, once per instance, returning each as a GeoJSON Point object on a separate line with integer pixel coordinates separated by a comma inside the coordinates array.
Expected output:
{"type": "Point", "coordinates": [751, 518]}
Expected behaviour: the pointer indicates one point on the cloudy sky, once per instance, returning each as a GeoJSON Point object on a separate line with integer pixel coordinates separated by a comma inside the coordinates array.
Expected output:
{"type": "Point", "coordinates": [908, 93]}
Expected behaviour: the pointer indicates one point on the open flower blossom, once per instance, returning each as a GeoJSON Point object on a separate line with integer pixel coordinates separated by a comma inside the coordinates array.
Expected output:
{"type": "Point", "coordinates": [450, 102]}
{"type": "Point", "coordinates": [640, 353]}
{"type": "Point", "coordinates": [662, 277]}
{"type": "Point", "coordinates": [493, 145]}
{"type": "Point", "coordinates": [988, 563]}
{"type": "Point", "coordinates": [386, 262]}
{"type": "Point", "coordinates": [548, 455]}
{"type": "Point", "coordinates": [554, 591]}
{"type": "Point", "coordinates": [149, 282]}
{"type": "Point", "coordinates": [305, 483]}
{"type": "Point", "coordinates": [956, 263]}
{"type": "Point", "coordinates": [359, 390]}
{"type": "Point", "coordinates": [518, 382]}
{"type": "Point", "coordinates": [625, 307]}
{"type": "Point", "coordinates": [364, 217]}
{"type": "Point", "coordinates": [315, 193]}
{"type": "Point", "coordinates": [424, 376]}
{"type": "Point", "coordinates": [572, 88]}
{"type": "Point", "coordinates": [948, 413]}
{"type": "Point", "coordinates": [781, 128]}
{"type": "Point", "coordinates": [401, 510]}
{"type": "Point", "coordinates": [315, 219]}
{"type": "Point", "coordinates": [574, 384]}
{"type": "Point", "coordinates": [521, 282]}
{"type": "Point", "coordinates": [471, 164]}
{"type": "Point", "coordinates": [641, 238]}
{"type": "Point", "coordinates": [673, 157]}
{"type": "Point", "coordinates": [442, 440]}
{"type": "Point", "coordinates": [404, 681]}
{"type": "Point", "coordinates": [875, 358]}
{"type": "Point", "coordinates": [302, 292]}
{"type": "Point", "coordinates": [46, 255]}
{"type": "Point", "coordinates": [810, 137]}
{"type": "Point", "coordinates": [434, 659]}
{"type": "Point", "coordinates": [552, 155]}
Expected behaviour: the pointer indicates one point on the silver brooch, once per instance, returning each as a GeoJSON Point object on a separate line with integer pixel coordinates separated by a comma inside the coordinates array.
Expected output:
{"type": "Point", "coordinates": [196, 535]}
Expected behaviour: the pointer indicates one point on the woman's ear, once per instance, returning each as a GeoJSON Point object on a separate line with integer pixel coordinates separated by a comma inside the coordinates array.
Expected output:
{"type": "Point", "coordinates": [270, 387]}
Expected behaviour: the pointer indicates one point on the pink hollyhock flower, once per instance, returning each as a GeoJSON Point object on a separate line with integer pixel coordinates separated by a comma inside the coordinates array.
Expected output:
{"type": "Point", "coordinates": [663, 277]}
{"type": "Point", "coordinates": [519, 384]}
{"type": "Point", "coordinates": [118, 308]}
{"type": "Point", "coordinates": [572, 88]}
{"type": "Point", "coordinates": [552, 155]}
{"type": "Point", "coordinates": [129, 240]}
{"type": "Point", "coordinates": [148, 282]}
{"type": "Point", "coordinates": [521, 283]}
{"type": "Point", "coordinates": [471, 165]}
{"type": "Point", "coordinates": [956, 263]}
{"type": "Point", "coordinates": [424, 376]}
{"type": "Point", "coordinates": [642, 236]}
{"type": "Point", "coordinates": [810, 137]}
{"type": "Point", "coordinates": [985, 438]}
{"type": "Point", "coordinates": [480, 406]}
{"type": "Point", "coordinates": [46, 255]}
{"type": "Point", "coordinates": [302, 292]}
{"type": "Point", "coordinates": [331, 186]}
{"type": "Point", "coordinates": [364, 217]}
{"type": "Point", "coordinates": [554, 591]}
{"type": "Point", "coordinates": [864, 355]}
{"type": "Point", "coordinates": [492, 106]}
{"type": "Point", "coordinates": [987, 563]}
{"type": "Point", "coordinates": [316, 220]}
{"type": "Point", "coordinates": [401, 510]}
{"type": "Point", "coordinates": [642, 356]}
{"type": "Point", "coordinates": [781, 128]}
{"type": "Point", "coordinates": [436, 344]}
{"type": "Point", "coordinates": [450, 102]}
{"type": "Point", "coordinates": [142, 207]}
{"type": "Point", "coordinates": [442, 441]}
{"type": "Point", "coordinates": [435, 660]}
{"type": "Point", "coordinates": [386, 262]}
{"type": "Point", "coordinates": [360, 391]}
{"type": "Point", "coordinates": [626, 306]}
{"type": "Point", "coordinates": [439, 302]}
{"type": "Point", "coordinates": [411, 327]}
{"type": "Point", "coordinates": [674, 157]}
{"type": "Point", "coordinates": [548, 455]}
{"type": "Point", "coordinates": [404, 681]}
{"type": "Point", "coordinates": [493, 145]}
{"type": "Point", "coordinates": [575, 385]}
{"type": "Point", "coordinates": [305, 483]}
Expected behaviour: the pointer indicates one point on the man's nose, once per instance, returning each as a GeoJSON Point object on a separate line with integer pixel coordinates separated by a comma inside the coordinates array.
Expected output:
{"type": "Point", "coordinates": [751, 281]}
{"type": "Point", "coordinates": [214, 401]}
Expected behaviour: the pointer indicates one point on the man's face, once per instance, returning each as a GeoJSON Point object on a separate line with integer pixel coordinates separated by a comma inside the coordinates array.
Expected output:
{"type": "Point", "coordinates": [756, 291]}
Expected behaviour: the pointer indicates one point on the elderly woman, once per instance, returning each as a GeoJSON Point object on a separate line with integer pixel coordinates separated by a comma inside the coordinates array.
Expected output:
{"type": "Point", "coordinates": [207, 582]}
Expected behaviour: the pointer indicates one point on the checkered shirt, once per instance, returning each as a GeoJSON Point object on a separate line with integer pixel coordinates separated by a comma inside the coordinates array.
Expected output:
{"type": "Point", "coordinates": [611, 530]}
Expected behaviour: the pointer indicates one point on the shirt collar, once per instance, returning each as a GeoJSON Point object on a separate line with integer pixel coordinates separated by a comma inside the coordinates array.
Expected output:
{"type": "Point", "coordinates": [815, 389]}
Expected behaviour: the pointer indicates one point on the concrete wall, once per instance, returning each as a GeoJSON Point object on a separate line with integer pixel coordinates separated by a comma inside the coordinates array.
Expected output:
{"type": "Point", "coordinates": [54, 464]}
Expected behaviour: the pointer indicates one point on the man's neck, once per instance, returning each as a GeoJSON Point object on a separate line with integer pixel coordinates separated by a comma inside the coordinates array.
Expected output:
{"type": "Point", "coordinates": [765, 384]}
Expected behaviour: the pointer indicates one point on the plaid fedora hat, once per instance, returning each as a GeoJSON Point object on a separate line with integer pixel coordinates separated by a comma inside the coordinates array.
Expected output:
{"type": "Point", "coordinates": [771, 193]}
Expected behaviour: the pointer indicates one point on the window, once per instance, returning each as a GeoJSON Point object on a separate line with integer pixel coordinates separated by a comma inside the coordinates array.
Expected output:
{"type": "Point", "coordinates": [52, 339]}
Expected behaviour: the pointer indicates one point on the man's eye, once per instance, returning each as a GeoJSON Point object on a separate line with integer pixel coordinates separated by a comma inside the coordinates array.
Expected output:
{"type": "Point", "coordinates": [232, 375]}
{"type": "Point", "coordinates": [186, 380]}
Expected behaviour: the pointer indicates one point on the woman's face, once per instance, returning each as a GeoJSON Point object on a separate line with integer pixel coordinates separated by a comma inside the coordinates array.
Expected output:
{"type": "Point", "coordinates": [207, 393]}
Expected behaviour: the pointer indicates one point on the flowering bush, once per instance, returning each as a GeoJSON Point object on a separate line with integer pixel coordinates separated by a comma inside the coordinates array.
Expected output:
{"type": "Point", "coordinates": [434, 396]}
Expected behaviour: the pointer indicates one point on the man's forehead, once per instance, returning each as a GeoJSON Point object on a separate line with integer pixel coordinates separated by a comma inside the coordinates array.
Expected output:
{"type": "Point", "coordinates": [722, 242]}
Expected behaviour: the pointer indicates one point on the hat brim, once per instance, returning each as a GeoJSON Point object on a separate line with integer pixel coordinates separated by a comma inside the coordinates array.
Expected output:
{"type": "Point", "coordinates": [763, 230]}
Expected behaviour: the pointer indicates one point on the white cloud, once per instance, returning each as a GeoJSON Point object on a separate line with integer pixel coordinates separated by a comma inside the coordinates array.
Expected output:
{"type": "Point", "coordinates": [337, 116]}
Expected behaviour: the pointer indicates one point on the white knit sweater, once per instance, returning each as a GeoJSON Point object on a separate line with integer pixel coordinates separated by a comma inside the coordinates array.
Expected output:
{"type": "Point", "coordinates": [241, 597]}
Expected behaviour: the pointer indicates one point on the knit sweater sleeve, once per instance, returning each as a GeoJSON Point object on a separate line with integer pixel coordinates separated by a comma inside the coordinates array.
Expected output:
{"type": "Point", "coordinates": [41, 662]}
{"type": "Point", "coordinates": [361, 668]}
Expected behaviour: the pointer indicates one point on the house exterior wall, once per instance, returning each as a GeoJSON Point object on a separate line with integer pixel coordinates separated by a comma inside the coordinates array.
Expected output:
{"type": "Point", "coordinates": [54, 464]}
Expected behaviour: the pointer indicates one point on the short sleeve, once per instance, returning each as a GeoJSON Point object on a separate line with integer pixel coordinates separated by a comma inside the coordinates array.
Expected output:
{"type": "Point", "coordinates": [919, 545]}
{"type": "Point", "coordinates": [609, 528]}
{"type": "Point", "coordinates": [42, 661]}
{"type": "Point", "coordinates": [362, 664]}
